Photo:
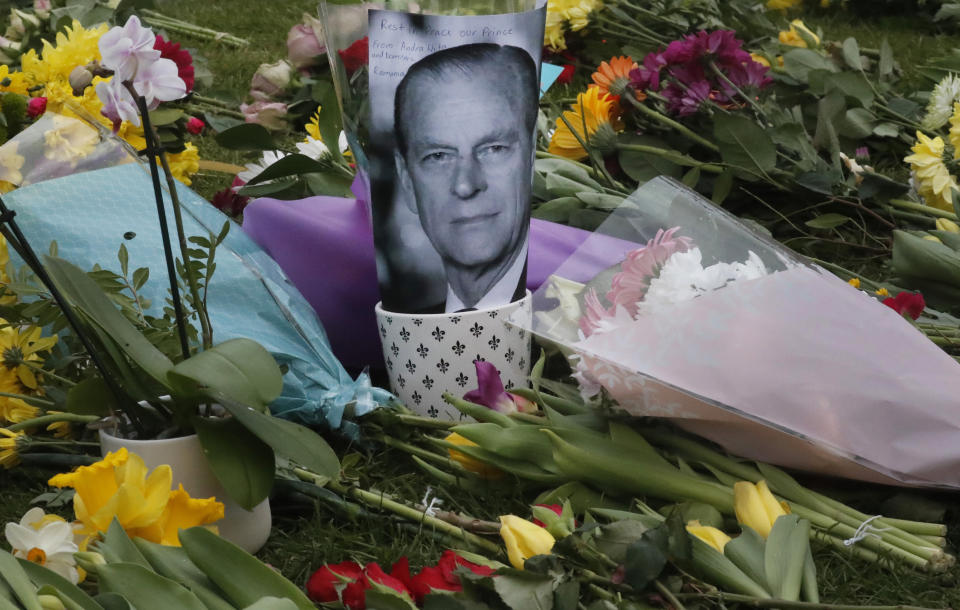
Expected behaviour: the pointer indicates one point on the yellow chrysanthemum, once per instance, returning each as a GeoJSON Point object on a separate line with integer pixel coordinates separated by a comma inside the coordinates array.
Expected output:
{"type": "Point", "coordinates": [931, 176]}
{"type": "Point", "coordinates": [855, 282]}
{"type": "Point", "coordinates": [76, 46]}
{"type": "Point", "coordinates": [19, 346]}
{"type": "Point", "coordinates": [69, 140]}
{"type": "Point", "coordinates": [132, 134]}
{"type": "Point", "coordinates": [782, 5]}
{"type": "Point", "coordinates": [592, 110]}
{"type": "Point", "coordinates": [563, 14]}
{"type": "Point", "coordinates": [185, 163]}
{"type": "Point", "coordinates": [882, 292]}
{"type": "Point", "coordinates": [553, 34]}
{"type": "Point", "coordinates": [17, 80]}
{"type": "Point", "coordinates": [9, 445]}
{"type": "Point", "coordinates": [7, 299]}
{"type": "Point", "coordinates": [15, 410]}
{"type": "Point", "coordinates": [313, 126]}
{"type": "Point", "coordinates": [954, 134]}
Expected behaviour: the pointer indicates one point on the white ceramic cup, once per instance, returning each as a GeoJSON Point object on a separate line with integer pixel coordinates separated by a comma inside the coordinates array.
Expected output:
{"type": "Point", "coordinates": [429, 354]}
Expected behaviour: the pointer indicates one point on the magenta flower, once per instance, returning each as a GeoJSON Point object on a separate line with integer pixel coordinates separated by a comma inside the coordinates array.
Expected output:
{"type": "Point", "coordinates": [36, 106]}
{"type": "Point", "coordinates": [641, 265]}
{"type": "Point", "coordinates": [491, 393]}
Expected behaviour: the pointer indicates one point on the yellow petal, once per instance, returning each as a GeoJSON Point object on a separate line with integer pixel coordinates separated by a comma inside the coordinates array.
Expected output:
{"type": "Point", "coordinates": [770, 504]}
{"type": "Point", "coordinates": [710, 535]}
{"type": "Point", "coordinates": [184, 512]}
{"type": "Point", "coordinates": [481, 468]}
{"type": "Point", "coordinates": [944, 224]}
{"type": "Point", "coordinates": [524, 539]}
{"type": "Point", "coordinates": [749, 508]}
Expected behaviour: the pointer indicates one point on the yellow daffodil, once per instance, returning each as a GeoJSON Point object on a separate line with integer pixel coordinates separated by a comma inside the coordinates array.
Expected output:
{"type": "Point", "coordinates": [9, 447]}
{"type": "Point", "coordinates": [20, 346]}
{"type": "Point", "coordinates": [524, 539]}
{"type": "Point", "coordinates": [799, 35]}
{"type": "Point", "coordinates": [484, 470]}
{"type": "Point", "coordinates": [855, 282]}
{"type": "Point", "coordinates": [944, 224]}
{"type": "Point", "coordinates": [594, 110]}
{"type": "Point", "coordinates": [710, 535]}
{"type": "Point", "coordinates": [932, 238]}
{"type": "Point", "coordinates": [882, 292]}
{"type": "Point", "coordinates": [756, 507]}
{"type": "Point", "coordinates": [932, 178]}
{"type": "Point", "coordinates": [181, 512]}
{"type": "Point", "coordinates": [117, 487]}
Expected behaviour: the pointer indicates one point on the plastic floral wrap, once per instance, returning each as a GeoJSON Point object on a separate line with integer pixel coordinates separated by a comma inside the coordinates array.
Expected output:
{"type": "Point", "coordinates": [735, 338]}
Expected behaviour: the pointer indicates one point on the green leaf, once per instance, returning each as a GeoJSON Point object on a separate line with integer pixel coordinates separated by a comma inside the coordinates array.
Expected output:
{"type": "Point", "coordinates": [600, 201]}
{"type": "Point", "coordinates": [746, 551]}
{"type": "Point", "coordinates": [857, 124]}
{"type": "Point", "coordinates": [744, 143]}
{"type": "Point", "coordinates": [145, 589]}
{"type": "Point", "coordinates": [524, 590]}
{"type": "Point", "coordinates": [784, 556]}
{"type": "Point", "coordinates": [84, 293]}
{"type": "Point", "coordinates": [44, 577]}
{"type": "Point", "coordinates": [851, 53]}
{"type": "Point", "coordinates": [166, 116]}
{"type": "Point", "coordinates": [567, 595]}
{"type": "Point", "coordinates": [113, 601]}
{"type": "Point", "coordinates": [827, 221]}
{"type": "Point", "coordinates": [885, 64]}
{"type": "Point", "coordinates": [886, 130]}
{"type": "Point", "coordinates": [289, 440]}
{"type": "Point", "coordinates": [280, 603]}
{"type": "Point", "coordinates": [829, 110]}
{"type": "Point", "coordinates": [140, 277]}
{"type": "Point", "coordinates": [643, 563]}
{"type": "Point", "coordinates": [818, 182]}
{"type": "Point", "coordinates": [246, 475]}
{"type": "Point", "coordinates": [879, 187]}
{"type": "Point", "coordinates": [291, 165]}
{"type": "Point", "coordinates": [124, 257]}
{"type": "Point", "coordinates": [91, 396]}
{"type": "Point", "coordinates": [387, 600]}
{"type": "Point", "coordinates": [277, 188]}
{"type": "Point", "coordinates": [722, 187]}
{"type": "Point", "coordinates": [558, 210]}
{"type": "Point", "coordinates": [329, 183]}
{"type": "Point", "coordinates": [18, 581]}
{"type": "Point", "coordinates": [799, 62]}
{"type": "Point", "coordinates": [246, 136]}
{"type": "Point", "coordinates": [240, 369]}
{"type": "Point", "coordinates": [116, 546]}
{"type": "Point", "coordinates": [852, 85]}
{"type": "Point", "coordinates": [567, 169]}
{"type": "Point", "coordinates": [920, 258]}
{"type": "Point", "coordinates": [220, 123]}
{"type": "Point", "coordinates": [173, 562]}
{"type": "Point", "coordinates": [642, 166]}
{"type": "Point", "coordinates": [692, 177]}
{"type": "Point", "coordinates": [561, 186]}
{"type": "Point", "coordinates": [616, 538]}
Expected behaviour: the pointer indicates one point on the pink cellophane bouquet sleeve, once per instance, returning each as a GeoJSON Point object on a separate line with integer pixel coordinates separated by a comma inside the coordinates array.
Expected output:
{"type": "Point", "coordinates": [724, 331]}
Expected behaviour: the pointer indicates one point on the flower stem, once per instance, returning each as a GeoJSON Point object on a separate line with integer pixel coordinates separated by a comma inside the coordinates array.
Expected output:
{"type": "Point", "coordinates": [40, 402]}
{"type": "Point", "coordinates": [426, 422]}
{"type": "Point", "coordinates": [668, 595]}
{"type": "Point", "coordinates": [662, 118]}
{"type": "Point", "coordinates": [756, 602]}
{"type": "Point", "coordinates": [40, 369]}
{"type": "Point", "coordinates": [678, 158]}
{"type": "Point", "coordinates": [375, 500]}
{"type": "Point", "coordinates": [53, 418]}
{"type": "Point", "coordinates": [904, 204]}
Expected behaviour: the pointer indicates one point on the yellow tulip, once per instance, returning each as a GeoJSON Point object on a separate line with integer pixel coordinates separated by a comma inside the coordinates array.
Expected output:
{"type": "Point", "coordinates": [944, 224]}
{"type": "Point", "coordinates": [932, 238]}
{"type": "Point", "coordinates": [484, 470]}
{"type": "Point", "coordinates": [710, 535]}
{"type": "Point", "coordinates": [760, 59]}
{"type": "Point", "coordinates": [799, 35]}
{"type": "Point", "coordinates": [524, 539]}
{"type": "Point", "coordinates": [756, 507]}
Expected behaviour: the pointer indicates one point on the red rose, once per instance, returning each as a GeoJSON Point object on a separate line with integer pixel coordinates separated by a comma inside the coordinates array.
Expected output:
{"type": "Point", "coordinates": [195, 125]}
{"type": "Point", "coordinates": [401, 571]}
{"type": "Point", "coordinates": [449, 562]}
{"type": "Point", "coordinates": [374, 573]}
{"type": "Point", "coordinates": [322, 584]}
{"type": "Point", "coordinates": [907, 303]}
{"type": "Point", "coordinates": [566, 76]}
{"type": "Point", "coordinates": [181, 57]}
{"type": "Point", "coordinates": [355, 56]}
{"type": "Point", "coordinates": [36, 106]}
{"type": "Point", "coordinates": [430, 579]}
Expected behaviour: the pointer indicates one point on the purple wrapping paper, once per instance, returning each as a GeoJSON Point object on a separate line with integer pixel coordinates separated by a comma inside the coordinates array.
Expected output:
{"type": "Point", "coordinates": [325, 245]}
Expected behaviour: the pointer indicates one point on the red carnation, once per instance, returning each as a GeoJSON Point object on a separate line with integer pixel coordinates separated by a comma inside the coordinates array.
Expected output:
{"type": "Point", "coordinates": [36, 106]}
{"type": "Point", "coordinates": [322, 584]}
{"type": "Point", "coordinates": [355, 56]}
{"type": "Point", "coordinates": [907, 303]}
{"type": "Point", "coordinates": [229, 202]}
{"type": "Point", "coordinates": [195, 125]}
{"type": "Point", "coordinates": [566, 76]}
{"type": "Point", "coordinates": [181, 57]}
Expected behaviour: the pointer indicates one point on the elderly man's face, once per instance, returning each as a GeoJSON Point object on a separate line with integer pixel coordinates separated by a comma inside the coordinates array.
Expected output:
{"type": "Point", "coordinates": [469, 157]}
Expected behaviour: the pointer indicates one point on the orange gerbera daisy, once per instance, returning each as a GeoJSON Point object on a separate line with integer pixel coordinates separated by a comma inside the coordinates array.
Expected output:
{"type": "Point", "coordinates": [613, 77]}
{"type": "Point", "coordinates": [593, 118]}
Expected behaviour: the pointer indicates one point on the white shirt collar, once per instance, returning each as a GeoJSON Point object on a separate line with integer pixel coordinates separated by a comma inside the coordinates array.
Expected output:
{"type": "Point", "coordinates": [500, 294]}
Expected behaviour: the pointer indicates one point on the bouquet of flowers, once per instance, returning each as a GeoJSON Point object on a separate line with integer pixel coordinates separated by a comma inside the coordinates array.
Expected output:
{"type": "Point", "coordinates": [710, 323]}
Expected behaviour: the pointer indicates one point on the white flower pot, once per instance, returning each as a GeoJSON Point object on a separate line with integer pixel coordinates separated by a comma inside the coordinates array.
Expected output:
{"type": "Point", "coordinates": [429, 354]}
{"type": "Point", "coordinates": [247, 528]}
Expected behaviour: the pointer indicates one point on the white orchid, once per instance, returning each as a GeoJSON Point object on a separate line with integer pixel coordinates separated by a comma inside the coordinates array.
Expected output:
{"type": "Point", "coordinates": [125, 49]}
{"type": "Point", "coordinates": [46, 540]}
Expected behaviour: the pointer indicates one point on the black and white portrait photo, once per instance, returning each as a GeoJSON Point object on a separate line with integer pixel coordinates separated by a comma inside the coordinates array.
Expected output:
{"type": "Point", "coordinates": [453, 175]}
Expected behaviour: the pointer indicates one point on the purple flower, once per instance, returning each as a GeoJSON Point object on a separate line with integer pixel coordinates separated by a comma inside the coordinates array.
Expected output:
{"type": "Point", "coordinates": [686, 101]}
{"type": "Point", "coordinates": [491, 393]}
{"type": "Point", "coordinates": [681, 51]}
{"type": "Point", "coordinates": [124, 49]}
